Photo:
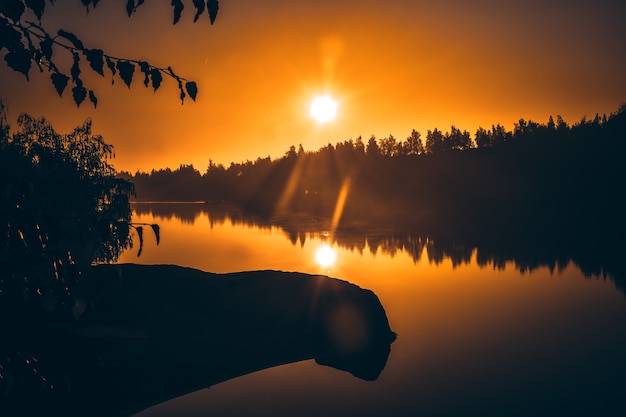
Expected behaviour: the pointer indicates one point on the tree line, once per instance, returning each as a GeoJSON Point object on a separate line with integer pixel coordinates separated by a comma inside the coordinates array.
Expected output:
{"type": "Point", "coordinates": [388, 165]}
{"type": "Point", "coordinates": [550, 184]}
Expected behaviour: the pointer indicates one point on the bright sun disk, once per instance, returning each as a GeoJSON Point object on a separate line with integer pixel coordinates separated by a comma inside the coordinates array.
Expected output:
{"type": "Point", "coordinates": [323, 109]}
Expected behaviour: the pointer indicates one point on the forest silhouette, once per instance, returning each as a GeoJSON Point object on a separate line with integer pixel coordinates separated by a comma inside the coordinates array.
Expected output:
{"type": "Point", "coordinates": [542, 194]}
{"type": "Point", "coordinates": [539, 176]}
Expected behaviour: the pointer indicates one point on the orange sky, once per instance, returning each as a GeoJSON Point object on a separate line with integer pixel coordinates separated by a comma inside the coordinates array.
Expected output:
{"type": "Point", "coordinates": [393, 66]}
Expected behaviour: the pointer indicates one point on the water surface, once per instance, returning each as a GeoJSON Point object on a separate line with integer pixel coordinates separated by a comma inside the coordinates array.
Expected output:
{"type": "Point", "coordinates": [473, 337]}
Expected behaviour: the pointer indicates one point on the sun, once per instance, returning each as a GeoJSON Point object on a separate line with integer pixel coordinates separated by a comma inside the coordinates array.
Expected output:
{"type": "Point", "coordinates": [323, 109]}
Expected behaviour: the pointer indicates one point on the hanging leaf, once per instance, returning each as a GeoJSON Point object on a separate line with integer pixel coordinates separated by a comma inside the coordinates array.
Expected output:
{"type": "Point", "coordinates": [192, 89]}
{"type": "Point", "coordinates": [46, 47]}
{"type": "Point", "coordinates": [111, 66]}
{"type": "Point", "coordinates": [139, 3]}
{"type": "Point", "coordinates": [180, 87]}
{"type": "Point", "coordinates": [95, 57]}
{"type": "Point", "coordinates": [199, 5]}
{"type": "Point", "coordinates": [13, 9]}
{"type": "Point", "coordinates": [19, 60]}
{"type": "Point", "coordinates": [75, 70]}
{"type": "Point", "coordinates": [140, 234]}
{"type": "Point", "coordinates": [88, 3]}
{"type": "Point", "coordinates": [213, 6]}
{"type": "Point", "coordinates": [130, 7]}
{"type": "Point", "coordinates": [72, 38]}
{"type": "Point", "coordinates": [156, 77]}
{"type": "Point", "coordinates": [145, 69]}
{"type": "Point", "coordinates": [126, 70]}
{"type": "Point", "coordinates": [59, 81]}
{"type": "Point", "coordinates": [37, 6]}
{"type": "Point", "coordinates": [157, 234]}
{"type": "Point", "coordinates": [178, 9]}
{"type": "Point", "coordinates": [93, 98]}
{"type": "Point", "coordinates": [79, 93]}
{"type": "Point", "coordinates": [134, 8]}
{"type": "Point", "coordinates": [10, 38]}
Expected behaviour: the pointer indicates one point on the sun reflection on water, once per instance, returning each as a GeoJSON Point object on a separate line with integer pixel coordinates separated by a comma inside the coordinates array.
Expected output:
{"type": "Point", "coordinates": [325, 256]}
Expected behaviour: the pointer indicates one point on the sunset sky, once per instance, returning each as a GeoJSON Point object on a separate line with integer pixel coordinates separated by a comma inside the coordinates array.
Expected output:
{"type": "Point", "coordinates": [392, 66]}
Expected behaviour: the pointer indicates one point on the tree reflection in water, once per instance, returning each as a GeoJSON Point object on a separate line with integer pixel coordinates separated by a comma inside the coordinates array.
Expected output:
{"type": "Point", "coordinates": [527, 253]}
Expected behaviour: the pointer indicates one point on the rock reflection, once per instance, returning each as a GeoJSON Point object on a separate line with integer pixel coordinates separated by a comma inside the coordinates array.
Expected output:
{"type": "Point", "coordinates": [152, 333]}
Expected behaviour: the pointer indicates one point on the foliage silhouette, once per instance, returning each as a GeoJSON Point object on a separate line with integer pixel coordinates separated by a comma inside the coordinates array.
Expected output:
{"type": "Point", "coordinates": [61, 208]}
{"type": "Point", "coordinates": [49, 177]}
{"type": "Point", "coordinates": [28, 43]}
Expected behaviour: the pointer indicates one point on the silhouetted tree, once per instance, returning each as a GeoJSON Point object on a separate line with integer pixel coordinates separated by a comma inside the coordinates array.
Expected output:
{"type": "Point", "coordinates": [526, 130]}
{"type": "Point", "coordinates": [434, 141]}
{"type": "Point", "coordinates": [388, 146]}
{"type": "Point", "coordinates": [214, 167]}
{"type": "Point", "coordinates": [29, 43]}
{"type": "Point", "coordinates": [456, 139]}
{"type": "Point", "coordinates": [291, 153]}
{"type": "Point", "coordinates": [561, 125]}
{"type": "Point", "coordinates": [551, 126]}
{"type": "Point", "coordinates": [482, 138]}
{"type": "Point", "coordinates": [345, 149]}
{"type": "Point", "coordinates": [359, 146]}
{"type": "Point", "coordinates": [61, 207]}
{"type": "Point", "coordinates": [499, 135]}
{"type": "Point", "coordinates": [372, 148]}
{"type": "Point", "coordinates": [413, 144]}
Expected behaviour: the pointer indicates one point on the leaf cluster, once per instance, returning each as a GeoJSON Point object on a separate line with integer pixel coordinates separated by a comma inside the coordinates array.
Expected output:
{"type": "Point", "coordinates": [61, 208]}
{"type": "Point", "coordinates": [64, 187]}
{"type": "Point", "coordinates": [139, 230]}
{"type": "Point", "coordinates": [28, 43]}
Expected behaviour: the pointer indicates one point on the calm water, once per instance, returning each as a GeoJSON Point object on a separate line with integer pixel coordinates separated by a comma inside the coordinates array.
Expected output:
{"type": "Point", "coordinates": [472, 340]}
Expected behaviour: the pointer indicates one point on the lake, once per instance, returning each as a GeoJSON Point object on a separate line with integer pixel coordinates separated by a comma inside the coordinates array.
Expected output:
{"type": "Point", "coordinates": [474, 336]}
